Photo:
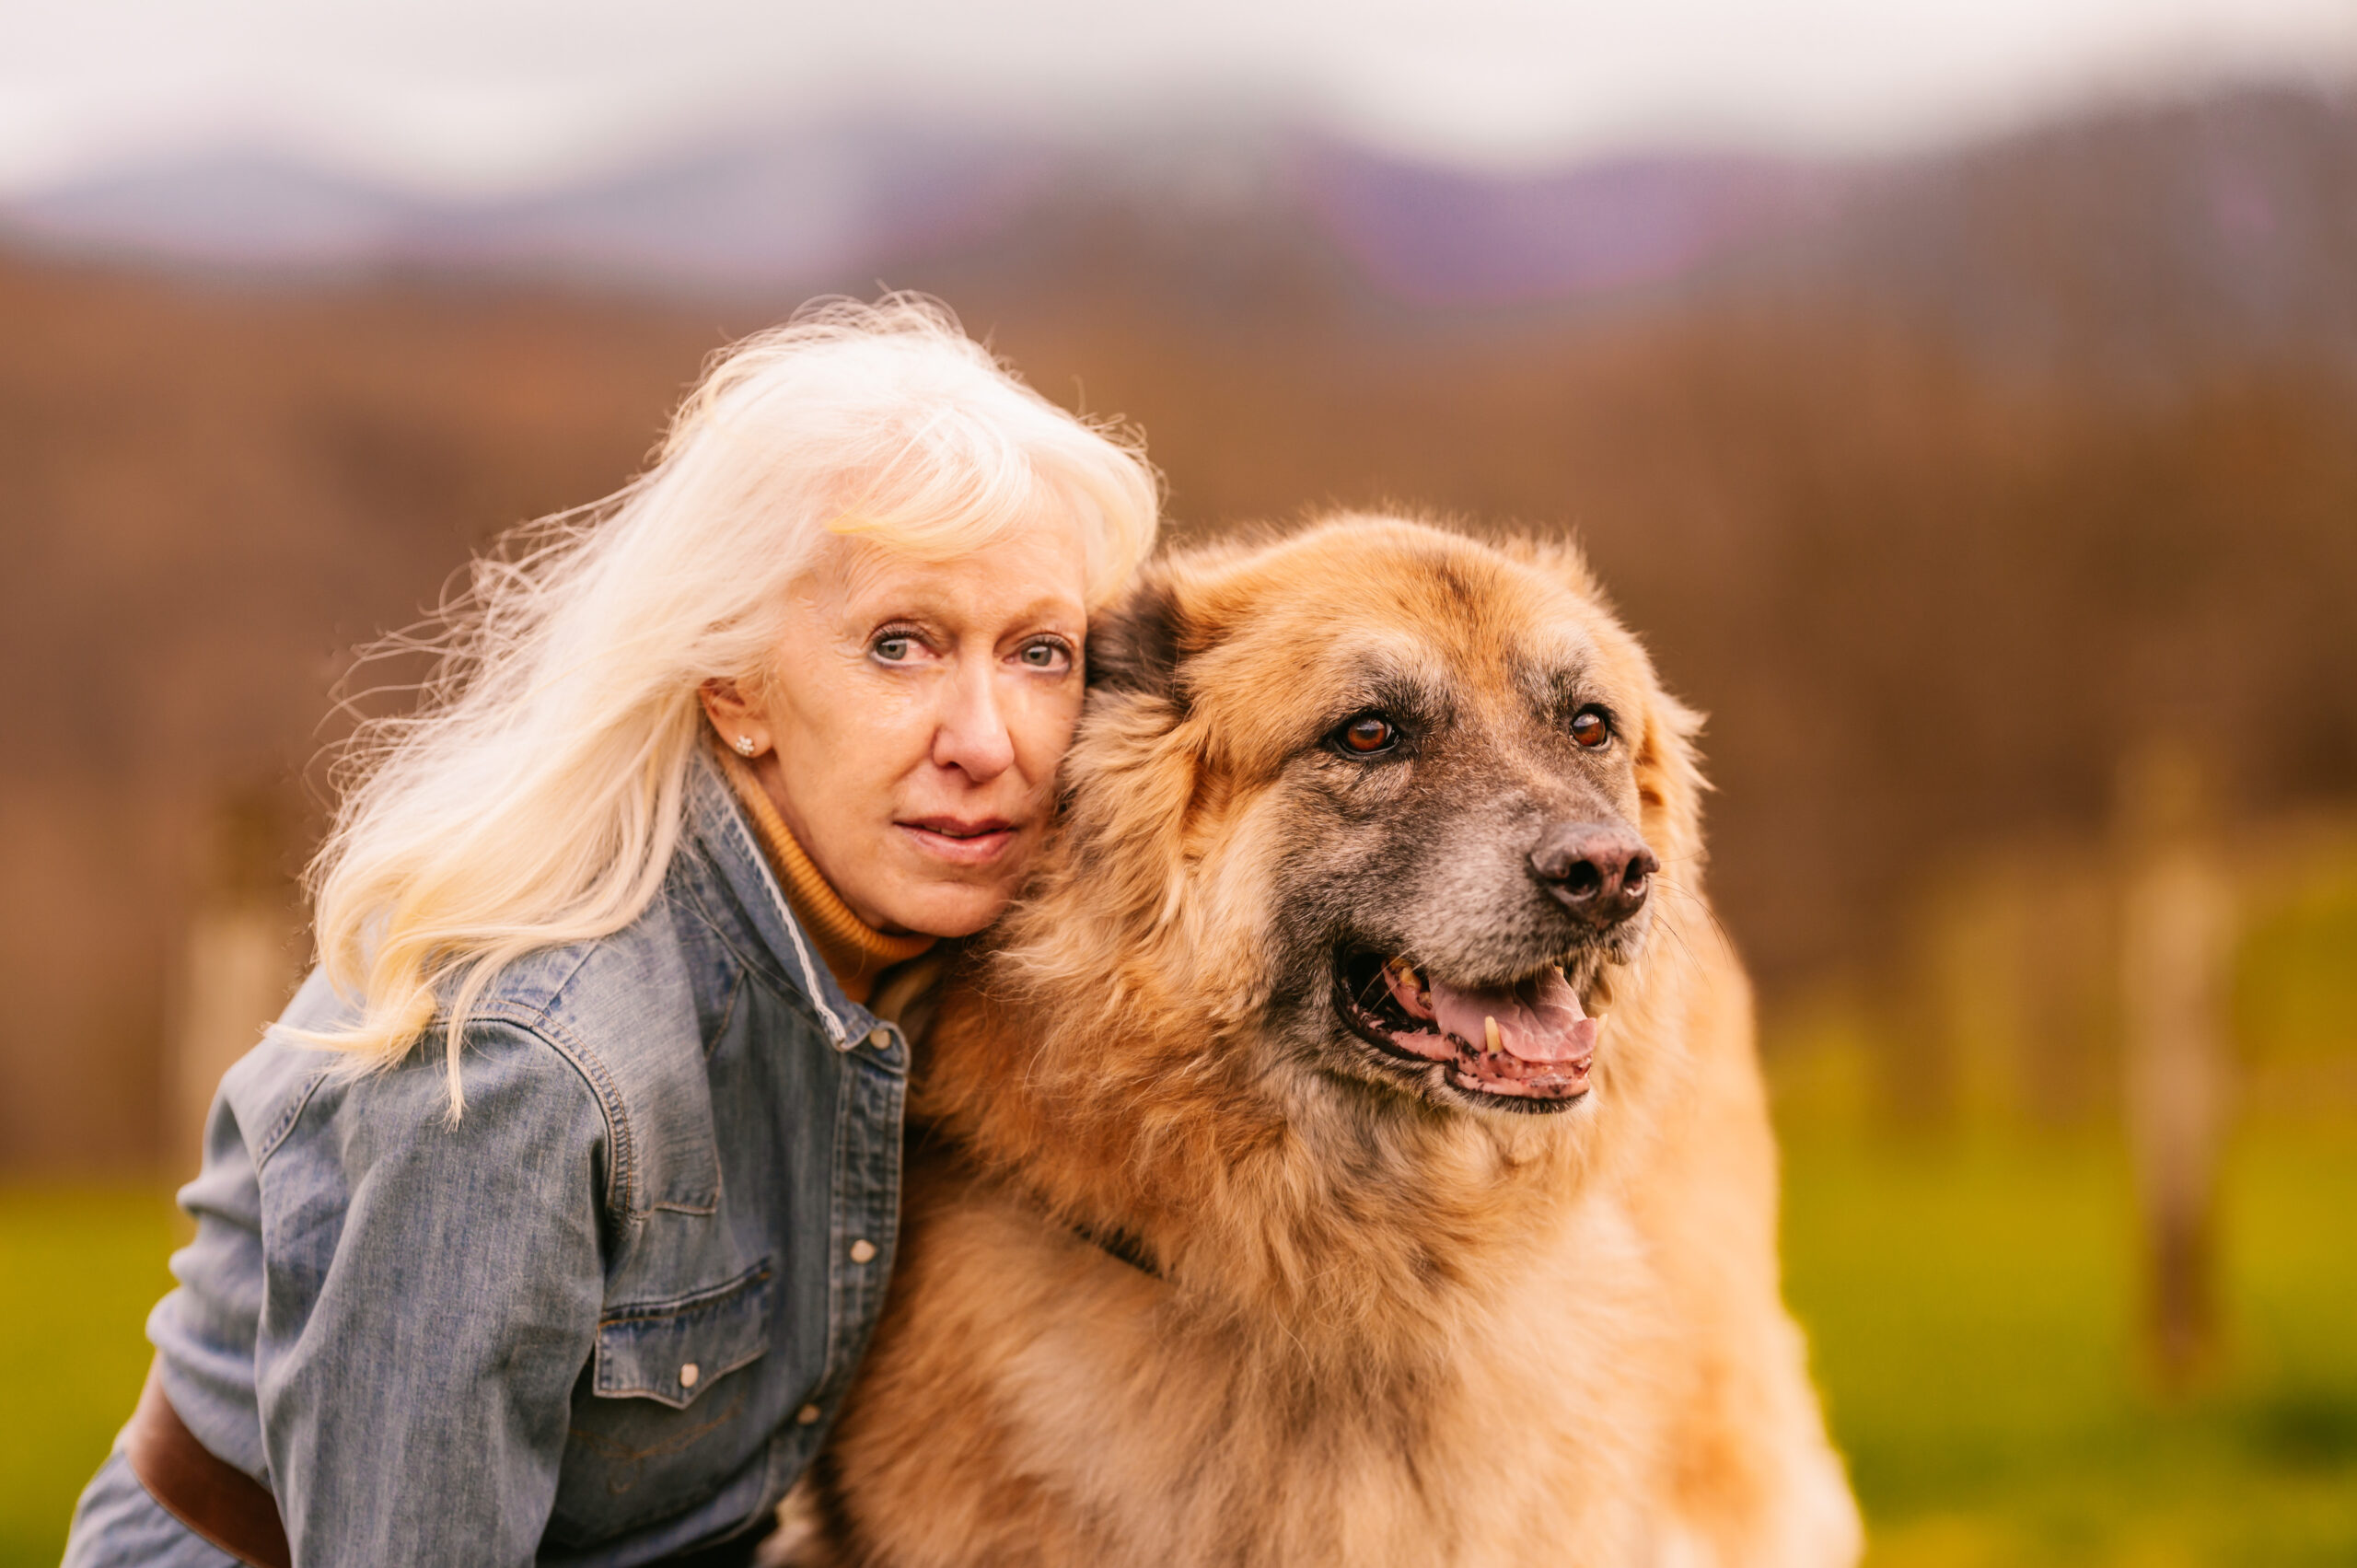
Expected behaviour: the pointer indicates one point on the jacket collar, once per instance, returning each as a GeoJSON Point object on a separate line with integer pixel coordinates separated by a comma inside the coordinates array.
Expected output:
{"type": "Point", "coordinates": [717, 820]}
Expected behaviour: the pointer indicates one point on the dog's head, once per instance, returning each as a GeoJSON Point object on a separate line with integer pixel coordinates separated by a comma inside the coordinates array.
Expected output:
{"type": "Point", "coordinates": [1393, 802]}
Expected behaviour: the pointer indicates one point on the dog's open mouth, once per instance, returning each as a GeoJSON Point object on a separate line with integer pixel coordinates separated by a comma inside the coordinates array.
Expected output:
{"type": "Point", "coordinates": [1529, 1041]}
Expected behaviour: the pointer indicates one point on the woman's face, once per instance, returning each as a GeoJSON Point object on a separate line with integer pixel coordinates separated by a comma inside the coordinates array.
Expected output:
{"type": "Point", "coordinates": [910, 731]}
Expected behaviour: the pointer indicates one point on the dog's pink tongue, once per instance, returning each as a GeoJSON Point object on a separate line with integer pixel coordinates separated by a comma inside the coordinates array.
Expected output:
{"type": "Point", "coordinates": [1540, 1020]}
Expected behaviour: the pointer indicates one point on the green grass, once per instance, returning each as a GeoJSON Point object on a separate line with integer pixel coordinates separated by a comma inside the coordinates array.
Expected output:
{"type": "Point", "coordinates": [1971, 1303]}
{"type": "Point", "coordinates": [2295, 967]}
{"type": "Point", "coordinates": [78, 1271]}
{"type": "Point", "coordinates": [1973, 1309]}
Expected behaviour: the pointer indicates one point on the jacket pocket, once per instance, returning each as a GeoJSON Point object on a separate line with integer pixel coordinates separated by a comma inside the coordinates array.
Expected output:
{"type": "Point", "coordinates": [671, 1352]}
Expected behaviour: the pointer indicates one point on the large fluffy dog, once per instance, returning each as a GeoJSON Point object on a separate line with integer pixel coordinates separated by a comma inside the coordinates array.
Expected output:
{"type": "Point", "coordinates": [1352, 1152]}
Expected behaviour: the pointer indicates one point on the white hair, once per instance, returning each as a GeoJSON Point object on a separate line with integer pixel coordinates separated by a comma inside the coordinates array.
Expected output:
{"type": "Point", "coordinates": [535, 797]}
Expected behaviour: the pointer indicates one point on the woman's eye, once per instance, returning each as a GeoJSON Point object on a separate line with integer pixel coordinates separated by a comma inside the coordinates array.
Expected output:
{"type": "Point", "coordinates": [1591, 728]}
{"type": "Point", "coordinates": [894, 649]}
{"type": "Point", "coordinates": [1045, 655]}
{"type": "Point", "coordinates": [1368, 734]}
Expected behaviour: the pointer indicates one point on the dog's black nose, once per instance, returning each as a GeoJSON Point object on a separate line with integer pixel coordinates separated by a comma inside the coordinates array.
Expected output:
{"type": "Point", "coordinates": [1600, 871]}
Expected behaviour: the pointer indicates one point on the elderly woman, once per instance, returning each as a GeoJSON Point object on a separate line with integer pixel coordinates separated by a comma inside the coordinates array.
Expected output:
{"type": "Point", "coordinates": [550, 1222]}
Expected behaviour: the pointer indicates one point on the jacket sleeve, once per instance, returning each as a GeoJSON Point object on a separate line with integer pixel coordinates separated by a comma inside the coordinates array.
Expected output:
{"type": "Point", "coordinates": [432, 1290]}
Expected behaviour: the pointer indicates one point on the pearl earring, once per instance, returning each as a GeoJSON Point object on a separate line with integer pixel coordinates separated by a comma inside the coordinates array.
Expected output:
{"type": "Point", "coordinates": [745, 744]}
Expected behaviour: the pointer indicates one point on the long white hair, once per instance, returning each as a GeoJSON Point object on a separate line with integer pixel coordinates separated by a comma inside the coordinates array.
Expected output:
{"type": "Point", "coordinates": [535, 797]}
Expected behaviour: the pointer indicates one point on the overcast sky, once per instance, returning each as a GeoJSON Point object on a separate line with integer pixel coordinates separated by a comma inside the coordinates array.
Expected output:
{"type": "Point", "coordinates": [483, 94]}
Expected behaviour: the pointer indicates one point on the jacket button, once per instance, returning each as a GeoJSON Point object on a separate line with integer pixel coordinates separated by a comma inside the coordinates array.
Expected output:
{"type": "Point", "coordinates": [863, 1251]}
{"type": "Point", "coordinates": [689, 1373]}
{"type": "Point", "coordinates": [807, 1414]}
{"type": "Point", "coordinates": [879, 1037]}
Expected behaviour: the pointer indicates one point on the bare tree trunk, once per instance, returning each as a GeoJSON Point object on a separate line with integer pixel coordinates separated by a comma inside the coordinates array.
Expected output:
{"type": "Point", "coordinates": [238, 965]}
{"type": "Point", "coordinates": [2176, 934]}
{"type": "Point", "coordinates": [236, 980]}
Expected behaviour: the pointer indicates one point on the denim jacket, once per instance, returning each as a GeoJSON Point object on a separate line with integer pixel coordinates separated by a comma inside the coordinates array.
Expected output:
{"type": "Point", "coordinates": [605, 1314]}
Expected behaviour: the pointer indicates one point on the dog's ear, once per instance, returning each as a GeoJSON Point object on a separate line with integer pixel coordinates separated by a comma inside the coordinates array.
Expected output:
{"type": "Point", "coordinates": [1136, 645]}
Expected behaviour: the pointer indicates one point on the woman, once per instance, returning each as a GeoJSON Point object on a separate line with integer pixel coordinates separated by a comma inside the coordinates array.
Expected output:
{"type": "Point", "coordinates": [550, 1220]}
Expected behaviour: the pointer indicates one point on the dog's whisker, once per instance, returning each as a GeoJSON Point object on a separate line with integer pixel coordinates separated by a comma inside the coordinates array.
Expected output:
{"type": "Point", "coordinates": [1696, 900]}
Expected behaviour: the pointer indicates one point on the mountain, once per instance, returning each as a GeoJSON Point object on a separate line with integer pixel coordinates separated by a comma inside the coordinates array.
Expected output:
{"type": "Point", "coordinates": [2142, 239]}
{"type": "Point", "coordinates": [1440, 236]}
{"type": "Point", "coordinates": [723, 218]}
{"type": "Point", "coordinates": [2133, 236]}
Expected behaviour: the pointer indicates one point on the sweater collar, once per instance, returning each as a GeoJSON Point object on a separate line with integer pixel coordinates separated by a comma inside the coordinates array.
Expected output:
{"type": "Point", "coordinates": [854, 951]}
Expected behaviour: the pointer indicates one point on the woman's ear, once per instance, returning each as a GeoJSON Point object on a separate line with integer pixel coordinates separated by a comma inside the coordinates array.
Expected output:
{"type": "Point", "coordinates": [741, 724]}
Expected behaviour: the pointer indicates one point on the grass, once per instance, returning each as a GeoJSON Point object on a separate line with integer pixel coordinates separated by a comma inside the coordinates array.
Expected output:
{"type": "Point", "coordinates": [78, 1271]}
{"type": "Point", "coordinates": [1970, 1300]}
{"type": "Point", "coordinates": [1973, 1308]}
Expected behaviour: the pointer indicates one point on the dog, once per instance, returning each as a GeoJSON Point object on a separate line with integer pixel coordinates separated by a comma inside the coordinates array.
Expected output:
{"type": "Point", "coordinates": [1352, 1149]}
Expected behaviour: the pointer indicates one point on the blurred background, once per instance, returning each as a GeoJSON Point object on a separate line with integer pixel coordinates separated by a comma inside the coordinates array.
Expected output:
{"type": "Point", "coordinates": [1961, 398]}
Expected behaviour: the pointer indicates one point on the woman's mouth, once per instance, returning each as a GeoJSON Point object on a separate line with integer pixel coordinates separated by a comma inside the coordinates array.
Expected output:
{"type": "Point", "coordinates": [961, 841]}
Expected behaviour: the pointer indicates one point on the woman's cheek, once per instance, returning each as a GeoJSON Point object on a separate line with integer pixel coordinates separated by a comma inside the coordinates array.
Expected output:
{"type": "Point", "coordinates": [1050, 713]}
{"type": "Point", "coordinates": [889, 734]}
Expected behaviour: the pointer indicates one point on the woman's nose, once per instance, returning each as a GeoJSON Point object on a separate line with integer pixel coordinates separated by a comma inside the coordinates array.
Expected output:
{"type": "Point", "coordinates": [970, 734]}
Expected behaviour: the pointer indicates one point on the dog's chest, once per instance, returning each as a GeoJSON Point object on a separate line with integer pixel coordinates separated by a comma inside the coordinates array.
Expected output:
{"type": "Point", "coordinates": [1193, 1440]}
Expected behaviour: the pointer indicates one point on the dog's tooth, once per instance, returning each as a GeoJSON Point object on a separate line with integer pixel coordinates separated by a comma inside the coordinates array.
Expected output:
{"type": "Point", "coordinates": [1490, 1036]}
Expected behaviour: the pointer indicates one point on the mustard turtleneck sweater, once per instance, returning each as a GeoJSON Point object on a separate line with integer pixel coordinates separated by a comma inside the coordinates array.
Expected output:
{"type": "Point", "coordinates": [855, 951]}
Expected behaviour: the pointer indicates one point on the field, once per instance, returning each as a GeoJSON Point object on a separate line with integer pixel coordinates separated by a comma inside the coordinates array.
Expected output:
{"type": "Point", "coordinates": [1973, 1311]}
{"type": "Point", "coordinates": [1970, 1298]}
{"type": "Point", "coordinates": [78, 1271]}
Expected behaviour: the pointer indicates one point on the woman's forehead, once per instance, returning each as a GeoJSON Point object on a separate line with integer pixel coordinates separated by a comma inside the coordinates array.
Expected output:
{"type": "Point", "coordinates": [1038, 570]}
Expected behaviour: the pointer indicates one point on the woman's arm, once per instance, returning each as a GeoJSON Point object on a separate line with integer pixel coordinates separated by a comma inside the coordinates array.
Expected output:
{"type": "Point", "coordinates": [433, 1293]}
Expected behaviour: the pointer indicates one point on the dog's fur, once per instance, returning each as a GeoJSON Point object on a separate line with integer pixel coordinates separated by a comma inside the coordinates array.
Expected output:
{"type": "Point", "coordinates": [1384, 1320]}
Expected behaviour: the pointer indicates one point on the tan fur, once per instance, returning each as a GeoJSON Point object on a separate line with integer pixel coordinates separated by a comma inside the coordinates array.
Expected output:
{"type": "Point", "coordinates": [1387, 1332]}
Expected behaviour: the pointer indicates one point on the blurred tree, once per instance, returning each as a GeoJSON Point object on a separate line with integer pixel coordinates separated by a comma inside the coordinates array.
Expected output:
{"type": "Point", "coordinates": [239, 959]}
{"type": "Point", "coordinates": [2177, 917]}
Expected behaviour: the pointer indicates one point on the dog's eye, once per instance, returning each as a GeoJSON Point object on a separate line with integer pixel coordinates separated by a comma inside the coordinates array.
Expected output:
{"type": "Point", "coordinates": [1368, 734]}
{"type": "Point", "coordinates": [1592, 728]}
